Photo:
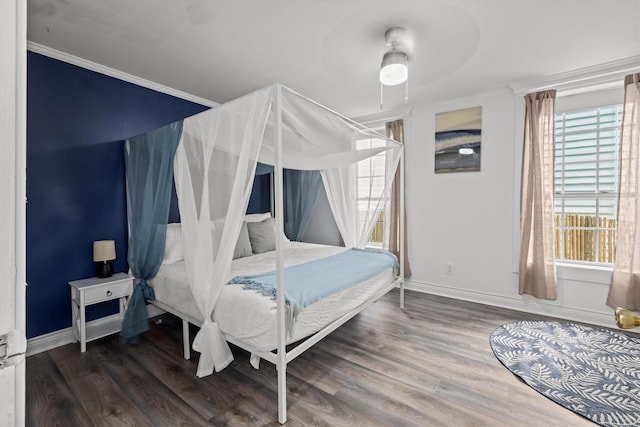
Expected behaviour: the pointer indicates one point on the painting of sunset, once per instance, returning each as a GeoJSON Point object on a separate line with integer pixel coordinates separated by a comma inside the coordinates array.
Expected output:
{"type": "Point", "coordinates": [458, 137]}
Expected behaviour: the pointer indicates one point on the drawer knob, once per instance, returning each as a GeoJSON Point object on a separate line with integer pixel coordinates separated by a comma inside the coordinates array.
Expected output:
{"type": "Point", "coordinates": [108, 293]}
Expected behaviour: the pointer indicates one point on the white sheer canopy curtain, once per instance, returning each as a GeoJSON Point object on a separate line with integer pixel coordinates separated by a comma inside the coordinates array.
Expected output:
{"type": "Point", "coordinates": [356, 201]}
{"type": "Point", "coordinates": [214, 170]}
{"type": "Point", "coordinates": [625, 282]}
{"type": "Point", "coordinates": [537, 256]}
{"type": "Point", "coordinates": [316, 138]}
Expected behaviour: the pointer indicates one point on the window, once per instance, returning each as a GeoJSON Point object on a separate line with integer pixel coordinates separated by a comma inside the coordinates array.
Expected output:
{"type": "Point", "coordinates": [586, 183]}
{"type": "Point", "coordinates": [371, 181]}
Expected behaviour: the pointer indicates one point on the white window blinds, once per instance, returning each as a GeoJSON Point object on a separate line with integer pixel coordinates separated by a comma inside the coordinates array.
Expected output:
{"type": "Point", "coordinates": [586, 183]}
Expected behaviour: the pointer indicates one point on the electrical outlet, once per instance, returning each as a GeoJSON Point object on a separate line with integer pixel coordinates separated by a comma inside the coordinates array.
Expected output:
{"type": "Point", "coordinates": [449, 268]}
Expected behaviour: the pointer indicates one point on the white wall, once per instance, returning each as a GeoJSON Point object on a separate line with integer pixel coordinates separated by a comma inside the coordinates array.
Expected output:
{"type": "Point", "coordinates": [322, 227]}
{"type": "Point", "coordinates": [470, 219]}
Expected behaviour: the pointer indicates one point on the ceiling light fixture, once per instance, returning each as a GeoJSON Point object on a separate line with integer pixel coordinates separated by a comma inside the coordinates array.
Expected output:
{"type": "Point", "coordinates": [394, 69]}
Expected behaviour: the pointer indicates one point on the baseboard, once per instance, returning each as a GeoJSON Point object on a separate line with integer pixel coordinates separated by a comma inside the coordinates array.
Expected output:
{"type": "Point", "coordinates": [62, 337]}
{"type": "Point", "coordinates": [528, 305]}
{"type": "Point", "coordinates": [524, 304]}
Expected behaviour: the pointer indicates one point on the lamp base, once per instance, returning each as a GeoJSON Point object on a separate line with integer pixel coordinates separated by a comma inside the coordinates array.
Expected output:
{"type": "Point", "coordinates": [104, 269]}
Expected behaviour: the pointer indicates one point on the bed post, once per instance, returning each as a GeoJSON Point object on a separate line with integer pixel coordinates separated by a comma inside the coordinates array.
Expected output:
{"type": "Point", "coordinates": [281, 362]}
{"type": "Point", "coordinates": [402, 227]}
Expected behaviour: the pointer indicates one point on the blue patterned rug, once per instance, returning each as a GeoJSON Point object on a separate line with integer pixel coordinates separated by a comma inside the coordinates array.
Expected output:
{"type": "Point", "coordinates": [592, 371]}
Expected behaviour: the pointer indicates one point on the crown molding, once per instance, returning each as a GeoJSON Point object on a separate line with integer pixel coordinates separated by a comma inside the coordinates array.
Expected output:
{"type": "Point", "coordinates": [112, 72]}
{"type": "Point", "coordinates": [596, 77]}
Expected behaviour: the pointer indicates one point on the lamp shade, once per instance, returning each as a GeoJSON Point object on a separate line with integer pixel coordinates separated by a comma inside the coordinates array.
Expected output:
{"type": "Point", "coordinates": [394, 69]}
{"type": "Point", "coordinates": [104, 250]}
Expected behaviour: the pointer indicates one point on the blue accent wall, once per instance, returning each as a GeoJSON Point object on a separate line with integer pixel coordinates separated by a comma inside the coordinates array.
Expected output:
{"type": "Point", "coordinates": [260, 200]}
{"type": "Point", "coordinates": [77, 121]}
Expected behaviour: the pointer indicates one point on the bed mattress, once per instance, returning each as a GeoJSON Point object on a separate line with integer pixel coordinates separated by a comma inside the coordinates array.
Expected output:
{"type": "Point", "coordinates": [247, 316]}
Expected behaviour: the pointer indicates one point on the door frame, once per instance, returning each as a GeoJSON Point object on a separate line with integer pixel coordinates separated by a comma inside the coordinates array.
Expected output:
{"type": "Point", "coordinates": [13, 95]}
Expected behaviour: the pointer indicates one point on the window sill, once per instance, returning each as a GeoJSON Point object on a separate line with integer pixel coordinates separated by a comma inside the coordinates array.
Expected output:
{"type": "Point", "coordinates": [584, 273]}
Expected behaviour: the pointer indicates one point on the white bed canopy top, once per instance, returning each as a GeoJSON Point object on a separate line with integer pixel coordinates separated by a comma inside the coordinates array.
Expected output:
{"type": "Point", "coordinates": [313, 136]}
{"type": "Point", "coordinates": [214, 169]}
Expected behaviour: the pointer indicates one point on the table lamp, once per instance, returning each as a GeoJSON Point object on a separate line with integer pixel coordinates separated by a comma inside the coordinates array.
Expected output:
{"type": "Point", "coordinates": [104, 252]}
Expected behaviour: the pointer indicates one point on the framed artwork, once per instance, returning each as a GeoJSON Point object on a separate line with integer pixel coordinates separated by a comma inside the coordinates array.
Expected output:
{"type": "Point", "coordinates": [458, 140]}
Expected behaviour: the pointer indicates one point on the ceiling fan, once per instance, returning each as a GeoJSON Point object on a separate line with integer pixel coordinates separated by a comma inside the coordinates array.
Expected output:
{"type": "Point", "coordinates": [394, 69]}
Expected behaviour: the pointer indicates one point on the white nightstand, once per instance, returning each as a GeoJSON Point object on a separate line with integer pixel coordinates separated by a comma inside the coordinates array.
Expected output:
{"type": "Point", "coordinates": [92, 291]}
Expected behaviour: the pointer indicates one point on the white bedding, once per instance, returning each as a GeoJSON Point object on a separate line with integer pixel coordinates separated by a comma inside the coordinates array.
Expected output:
{"type": "Point", "coordinates": [249, 317]}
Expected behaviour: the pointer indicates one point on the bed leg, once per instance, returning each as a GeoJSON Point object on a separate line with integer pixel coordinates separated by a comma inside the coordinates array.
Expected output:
{"type": "Point", "coordinates": [282, 394]}
{"type": "Point", "coordinates": [185, 339]}
{"type": "Point", "coordinates": [402, 295]}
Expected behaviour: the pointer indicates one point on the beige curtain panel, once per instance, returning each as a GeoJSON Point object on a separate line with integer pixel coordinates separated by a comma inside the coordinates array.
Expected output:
{"type": "Point", "coordinates": [625, 283]}
{"type": "Point", "coordinates": [537, 255]}
{"type": "Point", "coordinates": [395, 130]}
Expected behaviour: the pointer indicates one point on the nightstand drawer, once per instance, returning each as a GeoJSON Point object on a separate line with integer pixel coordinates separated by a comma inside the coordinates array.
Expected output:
{"type": "Point", "coordinates": [106, 292]}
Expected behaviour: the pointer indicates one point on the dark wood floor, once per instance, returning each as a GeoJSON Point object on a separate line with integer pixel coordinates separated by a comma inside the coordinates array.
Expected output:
{"type": "Point", "coordinates": [429, 365]}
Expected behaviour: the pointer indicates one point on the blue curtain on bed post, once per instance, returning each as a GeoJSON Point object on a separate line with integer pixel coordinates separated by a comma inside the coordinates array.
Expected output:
{"type": "Point", "coordinates": [263, 168]}
{"type": "Point", "coordinates": [301, 190]}
{"type": "Point", "coordinates": [149, 169]}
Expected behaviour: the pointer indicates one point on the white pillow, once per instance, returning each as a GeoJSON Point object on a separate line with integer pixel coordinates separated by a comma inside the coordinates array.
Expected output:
{"type": "Point", "coordinates": [173, 244]}
{"type": "Point", "coordinates": [257, 217]}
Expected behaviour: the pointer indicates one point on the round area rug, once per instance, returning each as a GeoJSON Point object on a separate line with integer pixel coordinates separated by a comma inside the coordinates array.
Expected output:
{"type": "Point", "coordinates": [592, 371]}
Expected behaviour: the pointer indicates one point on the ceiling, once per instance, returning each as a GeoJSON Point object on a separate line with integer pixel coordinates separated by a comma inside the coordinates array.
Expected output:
{"type": "Point", "coordinates": [330, 50]}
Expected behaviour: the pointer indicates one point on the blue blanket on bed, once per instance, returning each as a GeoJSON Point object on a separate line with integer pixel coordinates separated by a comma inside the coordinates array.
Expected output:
{"type": "Point", "coordinates": [311, 281]}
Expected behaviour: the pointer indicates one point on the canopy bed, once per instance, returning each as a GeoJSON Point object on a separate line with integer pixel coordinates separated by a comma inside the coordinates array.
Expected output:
{"type": "Point", "coordinates": [211, 283]}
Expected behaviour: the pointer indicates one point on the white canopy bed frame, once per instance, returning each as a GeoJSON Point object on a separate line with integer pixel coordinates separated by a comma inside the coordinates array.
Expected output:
{"type": "Point", "coordinates": [294, 132]}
